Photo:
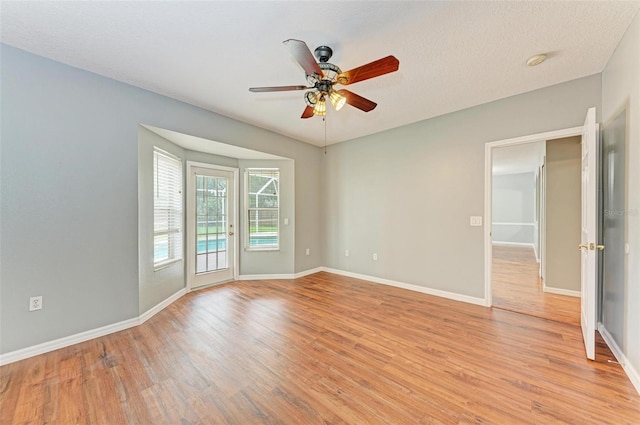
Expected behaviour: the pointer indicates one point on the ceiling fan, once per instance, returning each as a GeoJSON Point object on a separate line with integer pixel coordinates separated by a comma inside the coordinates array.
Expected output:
{"type": "Point", "coordinates": [322, 76]}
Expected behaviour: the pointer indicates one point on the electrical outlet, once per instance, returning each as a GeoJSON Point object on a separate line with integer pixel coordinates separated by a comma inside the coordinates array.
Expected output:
{"type": "Point", "coordinates": [308, 251]}
{"type": "Point", "coordinates": [346, 252]}
{"type": "Point", "coordinates": [35, 303]}
{"type": "Point", "coordinates": [475, 220]}
{"type": "Point", "coordinates": [375, 256]}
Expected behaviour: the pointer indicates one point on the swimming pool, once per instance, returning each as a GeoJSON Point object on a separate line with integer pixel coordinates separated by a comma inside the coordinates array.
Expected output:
{"type": "Point", "coordinates": [213, 245]}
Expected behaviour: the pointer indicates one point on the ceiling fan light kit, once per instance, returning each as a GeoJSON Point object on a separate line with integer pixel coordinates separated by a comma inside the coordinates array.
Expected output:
{"type": "Point", "coordinates": [337, 100]}
{"type": "Point", "coordinates": [322, 76]}
{"type": "Point", "coordinates": [321, 107]}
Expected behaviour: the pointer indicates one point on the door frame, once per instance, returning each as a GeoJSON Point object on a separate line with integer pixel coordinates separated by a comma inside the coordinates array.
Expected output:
{"type": "Point", "coordinates": [190, 221]}
{"type": "Point", "coordinates": [488, 193]}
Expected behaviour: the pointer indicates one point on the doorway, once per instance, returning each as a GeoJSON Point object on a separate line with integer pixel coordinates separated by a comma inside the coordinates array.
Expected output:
{"type": "Point", "coordinates": [523, 208]}
{"type": "Point", "coordinates": [211, 224]}
{"type": "Point", "coordinates": [517, 239]}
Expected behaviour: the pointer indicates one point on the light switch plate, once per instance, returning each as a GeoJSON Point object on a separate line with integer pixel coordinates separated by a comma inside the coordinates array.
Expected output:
{"type": "Point", "coordinates": [475, 220]}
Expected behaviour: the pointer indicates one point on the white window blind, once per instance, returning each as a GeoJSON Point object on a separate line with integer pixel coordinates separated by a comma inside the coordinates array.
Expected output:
{"type": "Point", "coordinates": [167, 208]}
{"type": "Point", "coordinates": [262, 209]}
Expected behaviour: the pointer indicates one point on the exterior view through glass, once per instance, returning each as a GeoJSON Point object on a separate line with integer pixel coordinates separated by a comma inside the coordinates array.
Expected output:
{"type": "Point", "coordinates": [211, 223]}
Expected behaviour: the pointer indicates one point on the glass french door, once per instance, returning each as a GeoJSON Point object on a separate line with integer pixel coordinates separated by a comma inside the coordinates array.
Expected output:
{"type": "Point", "coordinates": [211, 229]}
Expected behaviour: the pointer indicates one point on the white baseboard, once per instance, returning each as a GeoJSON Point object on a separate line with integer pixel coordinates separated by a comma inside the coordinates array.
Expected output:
{"type": "Point", "coordinates": [560, 291]}
{"type": "Point", "coordinates": [266, 276]}
{"type": "Point", "coordinates": [281, 275]}
{"type": "Point", "coordinates": [56, 344]}
{"type": "Point", "coordinates": [45, 347]}
{"type": "Point", "coordinates": [528, 245]}
{"type": "Point", "coordinates": [161, 306]}
{"type": "Point", "coordinates": [411, 287]}
{"type": "Point", "coordinates": [308, 272]}
{"type": "Point", "coordinates": [628, 368]}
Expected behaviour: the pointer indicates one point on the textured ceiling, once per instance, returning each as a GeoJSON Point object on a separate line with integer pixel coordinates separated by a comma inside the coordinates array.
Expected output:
{"type": "Point", "coordinates": [453, 55]}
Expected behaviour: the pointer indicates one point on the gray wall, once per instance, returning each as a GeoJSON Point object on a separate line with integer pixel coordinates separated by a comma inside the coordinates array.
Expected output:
{"type": "Point", "coordinates": [271, 262]}
{"type": "Point", "coordinates": [621, 93]}
{"type": "Point", "coordinates": [69, 185]}
{"type": "Point", "coordinates": [563, 213]}
{"type": "Point", "coordinates": [513, 213]}
{"type": "Point", "coordinates": [407, 193]}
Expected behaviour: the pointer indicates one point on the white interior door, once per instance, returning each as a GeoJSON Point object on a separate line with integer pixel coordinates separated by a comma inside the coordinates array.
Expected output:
{"type": "Point", "coordinates": [588, 239]}
{"type": "Point", "coordinates": [210, 226]}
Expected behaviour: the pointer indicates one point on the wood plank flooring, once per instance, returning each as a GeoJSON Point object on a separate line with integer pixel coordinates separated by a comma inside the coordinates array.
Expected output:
{"type": "Point", "coordinates": [323, 349]}
{"type": "Point", "coordinates": [516, 286]}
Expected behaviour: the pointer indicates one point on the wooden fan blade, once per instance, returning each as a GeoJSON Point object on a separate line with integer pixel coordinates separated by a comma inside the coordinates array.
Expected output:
{"type": "Point", "coordinates": [303, 55]}
{"type": "Point", "coordinates": [308, 112]}
{"type": "Point", "coordinates": [358, 101]}
{"type": "Point", "coordinates": [278, 88]}
{"type": "Point", "coordinates": [370, 70]}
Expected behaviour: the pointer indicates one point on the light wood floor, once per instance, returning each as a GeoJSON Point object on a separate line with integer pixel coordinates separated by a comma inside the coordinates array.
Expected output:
{"type": "Point", "coordinates": [516, 286]}
{"type": "Point", "coordinates": [323, 349]}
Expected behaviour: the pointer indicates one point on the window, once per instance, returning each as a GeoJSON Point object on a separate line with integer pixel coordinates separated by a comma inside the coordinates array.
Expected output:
{"type": "Point", "coordinates": [167, 208]}
{"type": "Point", "coordinates": [262, 209]}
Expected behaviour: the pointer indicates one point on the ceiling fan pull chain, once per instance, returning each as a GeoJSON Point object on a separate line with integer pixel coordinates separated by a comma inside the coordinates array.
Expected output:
{"type": "Point", "coordinates": [324, 118]}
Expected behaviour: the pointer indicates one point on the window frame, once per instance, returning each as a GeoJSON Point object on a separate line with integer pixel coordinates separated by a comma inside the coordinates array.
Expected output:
{"type": "Point", "coordinates": [248, 210]}
{"type": "Point", "coordinates": [174, 206]}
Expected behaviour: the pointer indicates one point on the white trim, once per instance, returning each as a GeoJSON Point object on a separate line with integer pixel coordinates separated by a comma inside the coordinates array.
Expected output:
{"type": "Point", "coordinates": [548, 135]}
{"type": "Point", "coordinates": [560, 291]}
{"type": "Point", "coordinates": [165, 264]}
{"type": "Point", "coordinates": [208, 165]}
{"type": "Point", "coordinates": [527, 244]}
{"type": "Point", "coordinates": [210, 285]}
{"type": "Point", "coordinates": [631, 372]}
{"type": "Point", "coordinates": [488, 248]}
{"type": "Point", "coordinates": [266, 276]}
{"type": "Point", "coordinates": [372, 279]}
{"type": "Point", "coordinates": [411, 287]}
{"type": "Point", "coordinates": [308, 272]}
{"type": "Point", "coordinates": [513, 224]}
{"type": "Point", "coordinates": [281, 275]}
{"type": "Point", "coordinates": [45, 347]}
{"type": "Point", "coordinates": [488, 172]}
{"type": "Point", "coordinates": [160, 306]}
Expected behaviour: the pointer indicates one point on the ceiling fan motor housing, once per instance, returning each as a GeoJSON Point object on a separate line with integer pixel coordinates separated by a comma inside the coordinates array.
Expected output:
{"type": "Point", "coordinates": [323, 53]}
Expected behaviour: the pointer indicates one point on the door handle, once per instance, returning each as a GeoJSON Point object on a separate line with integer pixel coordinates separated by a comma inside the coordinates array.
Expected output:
{"type": "Point", "coordinates": [583, 246]}
{"type": "Point", "coordinates": [230, 233]}
{"type": "Point", "coordinates": [600, 247]}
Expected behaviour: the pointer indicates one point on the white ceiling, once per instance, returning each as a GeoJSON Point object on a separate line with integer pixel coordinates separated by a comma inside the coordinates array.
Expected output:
{"type": "Point", "coordinates": [453, 55]}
